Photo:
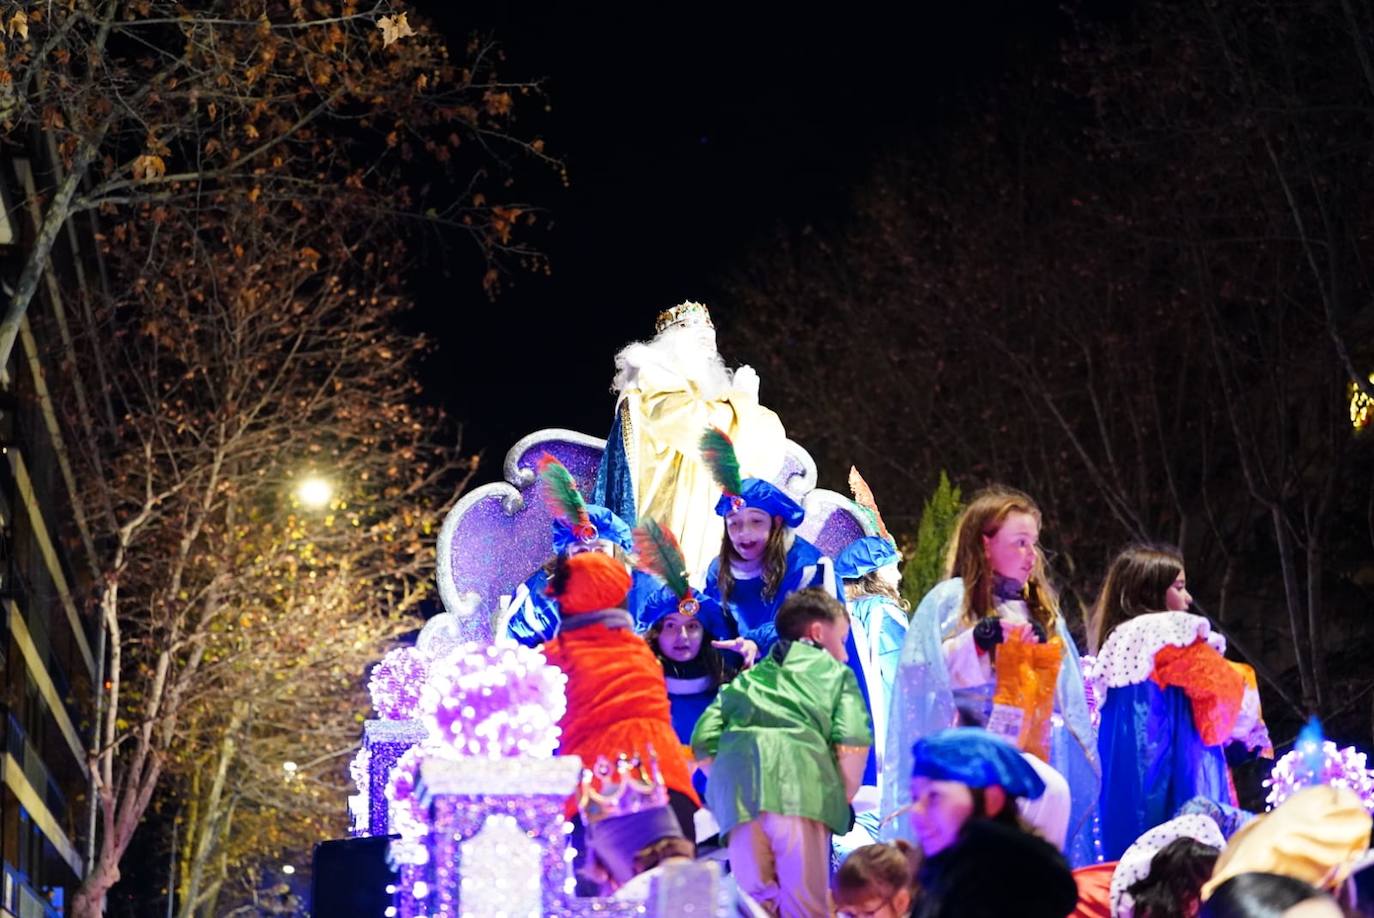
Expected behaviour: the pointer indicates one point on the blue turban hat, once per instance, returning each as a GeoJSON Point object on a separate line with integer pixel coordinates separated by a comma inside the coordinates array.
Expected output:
{"type": "Point", "coordinates": [973, 756]}
{"type": "Point", "coordinates": [865, 555]}
{"type": "Point", "coordinates": [663, 600]}
{"type": "Point", "coordinates": [609, 527]}
{"type": "Point", "coordinates": [762, 495]}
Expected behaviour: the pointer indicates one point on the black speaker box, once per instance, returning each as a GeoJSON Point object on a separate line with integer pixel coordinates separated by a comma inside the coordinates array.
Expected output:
{"type": "Point", "coordinates": [349, 878]}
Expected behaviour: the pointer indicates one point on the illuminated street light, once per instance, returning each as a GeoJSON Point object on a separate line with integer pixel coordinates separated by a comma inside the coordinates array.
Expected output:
{"type": "Point", "coordinates": [314, 492]}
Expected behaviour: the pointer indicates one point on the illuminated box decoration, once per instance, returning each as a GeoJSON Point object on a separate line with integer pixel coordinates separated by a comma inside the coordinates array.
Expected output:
{"type": "Point", "coordinates": [384, 742]}
{"type": "Point", "coordinates": [497, 842]}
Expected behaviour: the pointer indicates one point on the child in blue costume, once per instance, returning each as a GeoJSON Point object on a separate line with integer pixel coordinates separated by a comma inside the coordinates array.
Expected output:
{"type": "Point", "coordinates": [997, 591]}
{"type": "Point", "coordinates": [533, 616]}
{"type": "Point", "coordinates": [1169, 700]}
{"type": "Point", "coordinates": [693, 669]}
{"type": "Point", "coordinates": [878, 619]}
{"type": "Point", "coordinates": [763, 561]}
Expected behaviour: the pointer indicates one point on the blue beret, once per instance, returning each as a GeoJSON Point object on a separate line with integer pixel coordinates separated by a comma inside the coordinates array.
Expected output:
{"type": "Point", "coordinates": [609, 527]}
{"type": "Point", "coordinates": [663, 600]}
{"type": "Point", "coordinates": [973, 756]}
{"type": "Point", "coordinates": [761, 495]}
{"type": "Point", "coordinates": [864, 555]}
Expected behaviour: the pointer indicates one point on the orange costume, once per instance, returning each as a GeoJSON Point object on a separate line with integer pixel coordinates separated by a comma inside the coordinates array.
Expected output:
{"type": "Point", "coordinates": [617, 699]}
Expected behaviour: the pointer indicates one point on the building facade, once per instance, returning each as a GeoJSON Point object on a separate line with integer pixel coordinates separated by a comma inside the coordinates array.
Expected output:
{"type": "Point", "coordinates": [49, 658]}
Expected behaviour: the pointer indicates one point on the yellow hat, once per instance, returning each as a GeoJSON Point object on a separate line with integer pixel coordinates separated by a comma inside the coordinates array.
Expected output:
{"type": "Point", "coordinates": [1314, 836]}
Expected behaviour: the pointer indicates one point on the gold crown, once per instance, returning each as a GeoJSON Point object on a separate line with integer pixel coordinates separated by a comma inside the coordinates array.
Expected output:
{"type": "Point", "coordinates": [684, 314]}
{"type": "Point", "coordinates": [631, 786]}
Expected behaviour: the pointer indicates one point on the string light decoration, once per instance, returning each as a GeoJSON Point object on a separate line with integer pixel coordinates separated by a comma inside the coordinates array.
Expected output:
{"type": "Point", "coordinates": [1361, 407]}
{"type": "Point", "coordinates": [396, 682]}
{"type": "Point", "coordinates": [1316, 760]}
{"type": "Point", "coordinates": [494, 702]}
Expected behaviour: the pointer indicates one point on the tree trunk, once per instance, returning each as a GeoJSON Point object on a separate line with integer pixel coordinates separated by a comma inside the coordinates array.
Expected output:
{"type": "Point", "coordinates": [207, 828]}
{"type": "Point", "coordinates": [89, 901]}
{"type": "Point", "coordinates": [37, 261]}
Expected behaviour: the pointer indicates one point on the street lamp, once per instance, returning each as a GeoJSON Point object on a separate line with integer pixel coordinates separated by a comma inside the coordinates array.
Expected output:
{"type": "Point", "coordinates": [314, 492]}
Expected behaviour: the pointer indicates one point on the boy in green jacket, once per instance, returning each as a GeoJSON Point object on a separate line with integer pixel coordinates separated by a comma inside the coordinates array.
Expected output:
{"type": "Point", "coordinates": [785, 746]}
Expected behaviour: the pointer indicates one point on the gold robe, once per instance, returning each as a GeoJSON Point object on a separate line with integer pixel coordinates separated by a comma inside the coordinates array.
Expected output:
{"type": "Point", "coordinates": [662, 419]}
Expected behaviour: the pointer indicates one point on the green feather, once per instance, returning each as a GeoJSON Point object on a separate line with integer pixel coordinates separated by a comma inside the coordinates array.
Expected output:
{"type": "Point", "coordinates": [560, 491]}
{"type": "Point", "coordinates": [719, 455]}
{"type": "Point", "coordinates": [657, 553]}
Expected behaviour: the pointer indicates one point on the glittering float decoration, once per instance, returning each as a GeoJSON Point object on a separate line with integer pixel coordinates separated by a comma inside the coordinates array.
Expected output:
{"type": "Point", "coordinates": [1315, 761]}
{"type": "Point", "coordinates": [1088, 665]}
{"type": "Point", "coordinates": [396, 682]}
{"type": "Point", "coordinates": [488, 885]}
{"type": "Point", "coordinates": [384, 742]}
{"type": "Point", "coordinates": [494, 702]}
{"type": "Point", "coordinates": [358, 809]}
{"type": "Point", "coordinates": [461, 796]}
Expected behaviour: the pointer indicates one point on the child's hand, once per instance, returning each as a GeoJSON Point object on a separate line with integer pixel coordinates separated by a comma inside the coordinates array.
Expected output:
{"type": "Point", "coordinates": [742, 646]}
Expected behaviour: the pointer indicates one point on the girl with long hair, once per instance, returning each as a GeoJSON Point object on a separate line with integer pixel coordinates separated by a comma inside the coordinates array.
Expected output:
{"type": "Point", "coordinates": [996, 591]}
{"type": "Point", "coordinates": [763, 561]}
{"type": "Point", "coordinates": [1169, 700]}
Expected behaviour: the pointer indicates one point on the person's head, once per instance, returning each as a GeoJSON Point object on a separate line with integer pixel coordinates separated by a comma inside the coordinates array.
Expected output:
{"type": "Point", "coordinates": [1268, 895]}
{"type": "Point", "coordinates": [1162, 873]}
{"type": "Point", "coordinates": [678, 637]}
{"type": "Point", "coordinates": [1171, 888]}
{"type": "Point", "coordinates": [816, 616]}
{"type": "Point", "coordinates": [965, 773]}
{"type": "Point", "coordinates": [589, 582]}
{"type": "Point", "coordinates": [875, 881]}
{"type": "Point", "coordinates": [1141, 579]}
{"type": "Point", "coordinates": [749, 531]}
{"type": "Point", "coordinates": [680, 631]}
{"type": "Point", "coordinates": [868, 566]}
{"type": "Point", "coordinates": [665, 849]}
{"type": "Point", "coordinates": [758, 534]}
{"type": "Point", "coordinates": [998, 536]}
{"type": "Point", "coordinates": [997, 870]}
{"type": "Point", "coordinates": [685, 342]}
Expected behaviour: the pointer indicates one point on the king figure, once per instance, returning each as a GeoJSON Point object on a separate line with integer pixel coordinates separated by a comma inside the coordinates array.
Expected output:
{"type": "Point", "coordinates": [668, 391]}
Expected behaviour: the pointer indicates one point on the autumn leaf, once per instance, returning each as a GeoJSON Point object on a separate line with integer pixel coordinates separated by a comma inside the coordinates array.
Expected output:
{"type": "Point", "coordinates": [498, 103]}
{"type": "Point", "coordinates": [18, 25]}
{"type": "Point", "coordinates": [394, 28]}
{"type": "Point", "coordinates": [147, 167]}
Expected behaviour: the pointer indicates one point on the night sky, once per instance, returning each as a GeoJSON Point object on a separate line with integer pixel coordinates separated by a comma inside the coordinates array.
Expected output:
{"type": "Point", "coordinates": [691, 133]}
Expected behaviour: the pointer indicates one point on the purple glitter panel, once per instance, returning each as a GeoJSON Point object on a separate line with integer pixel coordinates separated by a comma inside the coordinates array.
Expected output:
{"type": "Point", "coordinates": [792, 468]}
{"type": "Point", "coordinates": [830, 524]}
{"type": "Point", "coordinates": [384, 758]}
{"type": "Point", "coordinates": [492, 551]}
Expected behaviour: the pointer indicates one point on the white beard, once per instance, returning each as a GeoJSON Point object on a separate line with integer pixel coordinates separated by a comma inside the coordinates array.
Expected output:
{"type": "Point", "coordinates": [680, 351]}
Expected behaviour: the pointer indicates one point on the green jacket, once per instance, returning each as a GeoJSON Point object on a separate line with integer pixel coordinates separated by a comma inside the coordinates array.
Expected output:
{"type": "Point", "coordinates": [773, 733]}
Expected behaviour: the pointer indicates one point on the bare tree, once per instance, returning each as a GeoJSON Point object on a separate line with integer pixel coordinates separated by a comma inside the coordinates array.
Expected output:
{"type": "Point", "coordinates": [249, 354]}
{"type": "Point", "coordinates": [150, 101]}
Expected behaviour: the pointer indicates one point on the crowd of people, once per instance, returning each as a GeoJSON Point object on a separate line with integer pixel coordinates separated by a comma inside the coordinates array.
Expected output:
{"type": "Point", "coordinates": [783, 711]}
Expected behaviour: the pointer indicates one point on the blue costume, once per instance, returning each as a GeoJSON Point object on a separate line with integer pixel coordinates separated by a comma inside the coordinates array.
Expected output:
{"type": "Point", "coordinates": [750, 613]}
{"type": "Point", "coordinates": [690, 686]}
{"type": "Point", "coordinates": [1154, 757]}
{"type": "Point", "coordinates": [533, 615]}
{"type": "Point", "coordinates": [924, 701]}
